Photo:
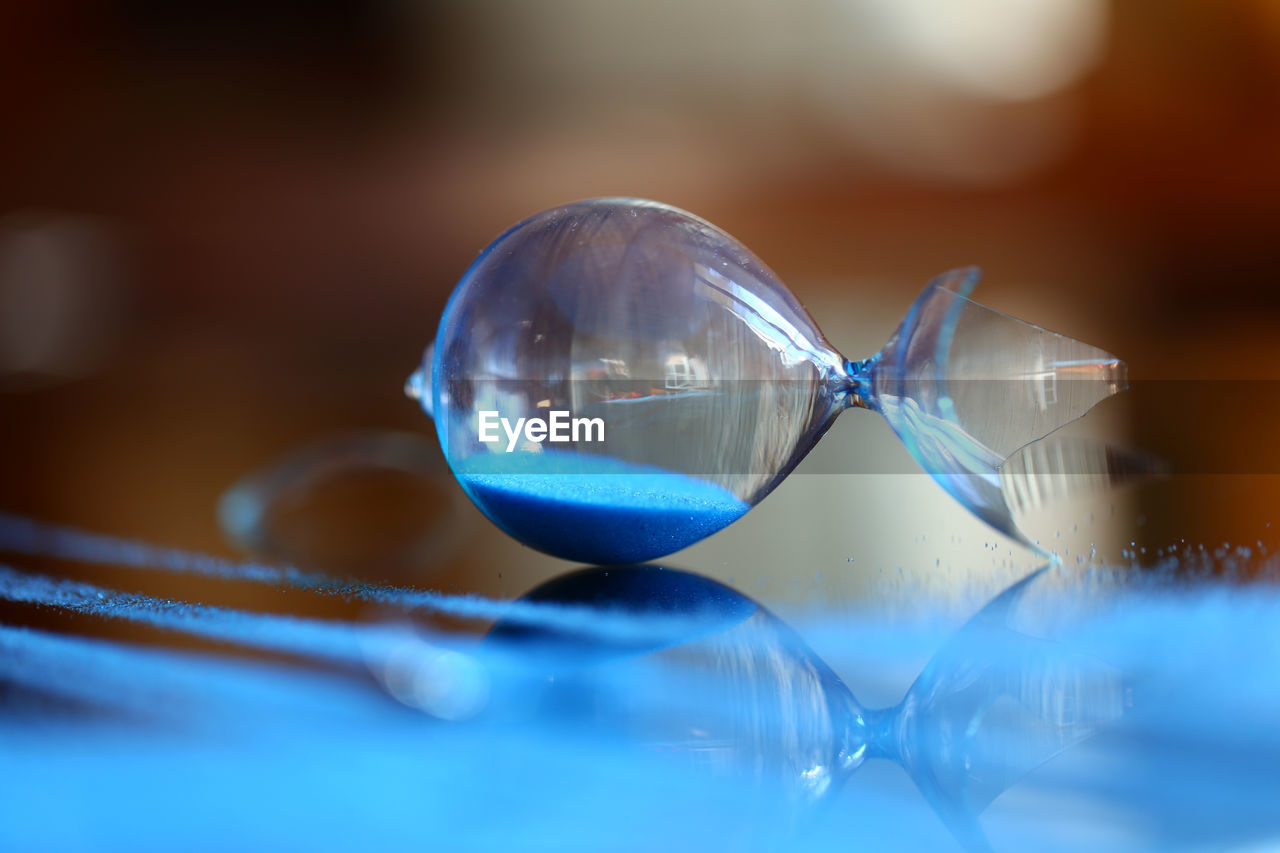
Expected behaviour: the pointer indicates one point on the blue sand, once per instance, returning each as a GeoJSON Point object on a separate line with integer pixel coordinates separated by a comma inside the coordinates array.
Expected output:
{"type": "Point", "coordinates": [270, 756]}
{"type": "Point", "coordinates": [594, 509]}
{"type": "Point", "coordinates": [340, 642]}
{"type": "Point", "coordinates": [22, 535]}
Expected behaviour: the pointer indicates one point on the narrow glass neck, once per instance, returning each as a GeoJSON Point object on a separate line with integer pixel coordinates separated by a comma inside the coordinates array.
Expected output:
{"type": "Point", "coordinates": [882, 729]}
{"type": "Point", "coordinates": [855, 383]}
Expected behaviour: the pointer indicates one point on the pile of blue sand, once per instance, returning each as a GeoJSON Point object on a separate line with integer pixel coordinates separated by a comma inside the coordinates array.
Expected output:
{"type": "Point", "coordinates": [595, 509]}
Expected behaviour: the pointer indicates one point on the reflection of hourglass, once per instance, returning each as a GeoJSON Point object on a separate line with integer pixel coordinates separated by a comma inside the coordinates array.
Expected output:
{"type": "Point", "coordinates": [687, 666]}
{"type": "Point", "coordinates": [717, 384]}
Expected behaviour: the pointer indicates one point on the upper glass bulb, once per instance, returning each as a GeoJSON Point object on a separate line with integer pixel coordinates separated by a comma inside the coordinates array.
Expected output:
{"type": "Point", "coordinates": [615, 379]}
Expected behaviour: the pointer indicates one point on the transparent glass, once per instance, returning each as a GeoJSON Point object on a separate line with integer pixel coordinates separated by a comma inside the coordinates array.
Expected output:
{"type": "Point", "coordinates": [615, 379]}
{"type": "Point", "coordinates": [691, 666]}
{"type": "Point", "coordinates": [362, 503]}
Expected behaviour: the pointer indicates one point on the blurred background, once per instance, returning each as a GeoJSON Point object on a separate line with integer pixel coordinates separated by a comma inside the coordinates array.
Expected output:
{"type": "Point", "coordinates": [227, 230]}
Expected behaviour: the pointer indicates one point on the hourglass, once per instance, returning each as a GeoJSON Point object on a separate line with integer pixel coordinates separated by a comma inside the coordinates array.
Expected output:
{"type": "Point", "coordinates": [615, 379]}
{"type": "Point", "coordinates": [680, 663]}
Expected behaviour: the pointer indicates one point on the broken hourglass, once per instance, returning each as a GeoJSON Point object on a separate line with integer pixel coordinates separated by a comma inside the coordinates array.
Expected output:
{"type": "Point", "coordinates": [615, 379]}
